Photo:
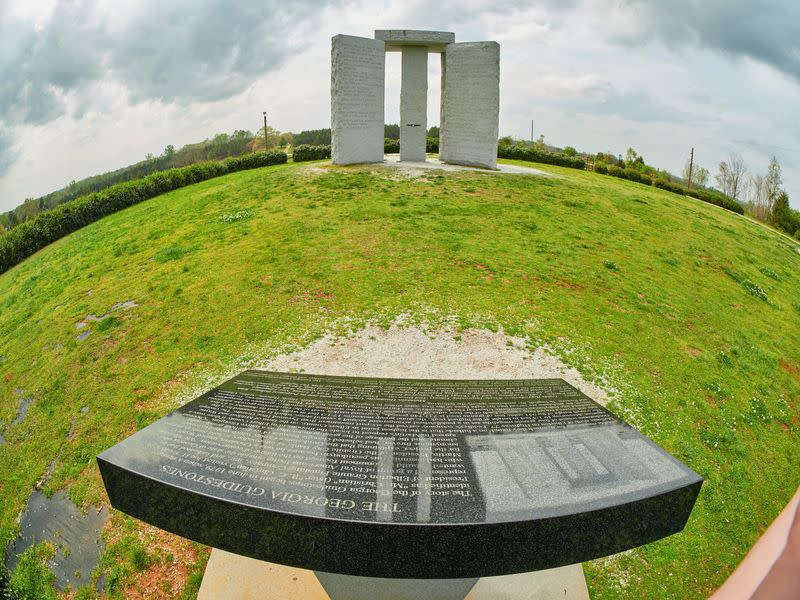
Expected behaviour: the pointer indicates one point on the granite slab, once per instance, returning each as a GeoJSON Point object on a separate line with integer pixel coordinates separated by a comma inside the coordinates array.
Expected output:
{"type": "Point", "coordinates": [396, 39]}
{"type": "Point", "coordinates": [401, 478]}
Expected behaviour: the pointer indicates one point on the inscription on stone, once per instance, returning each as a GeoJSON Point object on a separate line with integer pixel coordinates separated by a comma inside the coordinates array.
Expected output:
{"type": "Point", "coordinates": [471, 102]}
{"type": "Point", "coordinates": [357, 91]}
{"type": "Point", "coordinates": [401, 451]}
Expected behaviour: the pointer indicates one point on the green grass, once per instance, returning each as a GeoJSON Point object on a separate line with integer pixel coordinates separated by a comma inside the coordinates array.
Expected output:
{"type": "Point", "coordinates": [687, 312]}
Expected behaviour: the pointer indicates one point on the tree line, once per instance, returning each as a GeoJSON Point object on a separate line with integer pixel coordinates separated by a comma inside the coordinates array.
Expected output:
{"type": "Point", "coordinates": [218, 147]}
{"type": "Point", "coordinates": [761, 195]}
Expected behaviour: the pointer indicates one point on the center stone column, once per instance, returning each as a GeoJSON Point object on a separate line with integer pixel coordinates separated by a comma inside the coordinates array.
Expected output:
{"type": "Point", "coordinates": [413, 103]}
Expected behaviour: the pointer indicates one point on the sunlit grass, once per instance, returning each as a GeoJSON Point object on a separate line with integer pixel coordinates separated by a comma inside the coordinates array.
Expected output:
{"type": "Point", "coordinates": [688, 313]}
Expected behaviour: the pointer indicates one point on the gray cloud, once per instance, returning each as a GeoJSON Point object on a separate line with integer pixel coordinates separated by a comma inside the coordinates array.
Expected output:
{"type": "Point", "coordinates": [7, 153]}
{"type": "Point", "coordinates": [172, 51]}
{"type": "Point", "coordinates": [767, 31]}
{"type": "Point", "coordinates": [638, 106]}
{"type": "Point", "coordinates": [179, 53]}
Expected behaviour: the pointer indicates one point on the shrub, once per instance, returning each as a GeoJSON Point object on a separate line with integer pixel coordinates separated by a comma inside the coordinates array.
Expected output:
{"type": "Point", "coordinates": [601, 168]}
{"type": "Point", "coordinates": [46, 227]}
{"type": "Point", "coordinates": [541, 156]}
{"type": "Point", "coordinates": [629, 174]}
{"type": "Point", "coordinates": [632, 174]}
{"type": "Point", "coordinates": [391, 146]}
{"type": "Point", "coordinates": [669, 186]}
{"type": "Point", "coordinates": [306, 152]}
{"type": "Point", "coordinates": [717, 199]}
{"type": "Point", "coordinates": [432, 144]}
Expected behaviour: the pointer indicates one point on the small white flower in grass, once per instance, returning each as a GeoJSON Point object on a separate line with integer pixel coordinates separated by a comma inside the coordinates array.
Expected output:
{"type": "Point", "coordinates": [237, 216]}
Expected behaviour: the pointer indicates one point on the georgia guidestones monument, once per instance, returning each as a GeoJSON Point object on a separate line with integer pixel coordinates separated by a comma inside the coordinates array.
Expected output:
{"type": "Point", "coordinates": [470, 97]}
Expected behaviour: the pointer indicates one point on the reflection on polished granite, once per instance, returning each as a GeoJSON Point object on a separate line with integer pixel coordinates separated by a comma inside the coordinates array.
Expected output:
{"type": "Point", "coordinates": [343, 474]}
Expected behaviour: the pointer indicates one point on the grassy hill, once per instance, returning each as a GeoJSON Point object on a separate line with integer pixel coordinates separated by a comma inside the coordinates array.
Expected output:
{"type": "Point", "coordinates": [688, 313]}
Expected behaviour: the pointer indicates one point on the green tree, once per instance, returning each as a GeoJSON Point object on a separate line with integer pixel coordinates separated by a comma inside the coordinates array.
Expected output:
{"type": "Point", "coordinates": [784, 216]}
{"type": "Point", "coordinates": [391, 131]}
{"type": "Point", "coordinates": [314, 137]}
{"type": "Point", "coordinates": [570, 151]}
{"type": "Point", "coordinates": [285, 139]}
{"type": "Point", "coordinates": [505, 141]}
{"type": "Point", "coordinates": [273, 137]}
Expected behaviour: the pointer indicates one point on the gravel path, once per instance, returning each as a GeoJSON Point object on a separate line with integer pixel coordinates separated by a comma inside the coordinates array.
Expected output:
{"type": "Point", "coordinates": [409, 352]}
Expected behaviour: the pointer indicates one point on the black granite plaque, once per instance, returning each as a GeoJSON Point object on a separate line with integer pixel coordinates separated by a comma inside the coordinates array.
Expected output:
{"type": "Point", "coordinates": [401, 478]}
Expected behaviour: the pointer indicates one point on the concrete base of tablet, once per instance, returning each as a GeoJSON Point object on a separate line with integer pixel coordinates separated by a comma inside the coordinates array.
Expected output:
{"type": "Point", "coordinates": [240, 578]}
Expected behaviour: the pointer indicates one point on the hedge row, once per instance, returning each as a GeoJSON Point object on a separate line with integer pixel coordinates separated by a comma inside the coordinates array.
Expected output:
{"type": "Point", "coordinates": [706, 196]}
{"type": "Point", "coordinates": [669, 186]}
{"type": "Point", "coordinates": [540, 156]}
{"type": "Point", "coordinates": [630, 174]}
{"type": "Point", "coordinates": [717, 199]}
{"type": "Point", "coordinates": [46, 227]}
{"type": "Point", "coordinates": [306, 152]}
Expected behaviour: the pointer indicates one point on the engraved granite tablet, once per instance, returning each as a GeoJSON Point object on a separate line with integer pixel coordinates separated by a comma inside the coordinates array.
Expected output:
{"type": "Point", "coordinates": [401, 478]}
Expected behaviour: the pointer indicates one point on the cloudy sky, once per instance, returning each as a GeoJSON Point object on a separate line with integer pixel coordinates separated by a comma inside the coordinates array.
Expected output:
{"type": "Point", "coordinates": [89, 86]}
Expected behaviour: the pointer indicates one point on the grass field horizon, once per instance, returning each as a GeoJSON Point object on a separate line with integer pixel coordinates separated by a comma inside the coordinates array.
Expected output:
{"type": "Point", "coordinates": [688, 315]}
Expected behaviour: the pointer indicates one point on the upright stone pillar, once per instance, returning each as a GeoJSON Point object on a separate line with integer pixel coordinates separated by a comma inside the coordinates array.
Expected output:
{"type": "Point", "coordinates": [357, 90]}
{"type": "Point", "coordinates": [471, 104]}
{"type": "Point", "coordinates": [413, 103]}
{"type": "Point", "coordinates": [442, 119]}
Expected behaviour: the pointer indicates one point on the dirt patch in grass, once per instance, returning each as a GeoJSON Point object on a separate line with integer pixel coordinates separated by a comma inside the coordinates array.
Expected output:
{"type": "Point", "coordinates": [412, 352]}
{"type": "Point", "coordinates": [791, 368]}
{"type": "Point", "coordinates": [167, 576]}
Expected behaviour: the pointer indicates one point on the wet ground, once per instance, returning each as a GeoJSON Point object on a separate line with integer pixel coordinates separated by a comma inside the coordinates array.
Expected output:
{"type": "Point", "coordinates": [22, 410]}
{"type": "Point", "coordinates": [75, 536]}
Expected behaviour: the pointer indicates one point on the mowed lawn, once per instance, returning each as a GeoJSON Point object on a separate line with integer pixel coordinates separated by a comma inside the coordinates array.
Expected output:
{"type": "Point", "coordinates": [688, 314]}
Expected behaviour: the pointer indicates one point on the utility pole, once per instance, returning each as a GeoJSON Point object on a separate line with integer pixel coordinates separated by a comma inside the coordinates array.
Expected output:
{"type": "Point", "coordinates": [691, 166]}
{"type": "Point", "coordinates": [531, 131]}
{"type": "Point", "coordinates": [266, 140]}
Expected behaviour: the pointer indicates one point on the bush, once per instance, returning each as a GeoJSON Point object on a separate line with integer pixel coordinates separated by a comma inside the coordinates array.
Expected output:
{"type": "Point", "coordinates": [306, 152]}
{"type": "Point", "coordinates": [601, 168]}
{"type": "Point", "coordinates": [717, 199]}
{"type": "Point", "coordinates": [30, 236]}
{"type": "Point", "coordinates": [629, 174]}
{"type": "Point", "coordinates": [432, 144]}
{"type": "Point", "coordinates": [669, 186]}
{"type": "Point", "coordinates": [706, 196]}
{"type": "Point", "coordinates": [391, 146]}
{"type": "Point", "coordinates": [541, 156]}
{"type": "Point", "coordinates": [635, 175]}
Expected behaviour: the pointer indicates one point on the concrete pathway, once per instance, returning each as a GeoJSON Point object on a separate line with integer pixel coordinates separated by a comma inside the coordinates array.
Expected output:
{"type": "Point", "coordinates": [235, 577]}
